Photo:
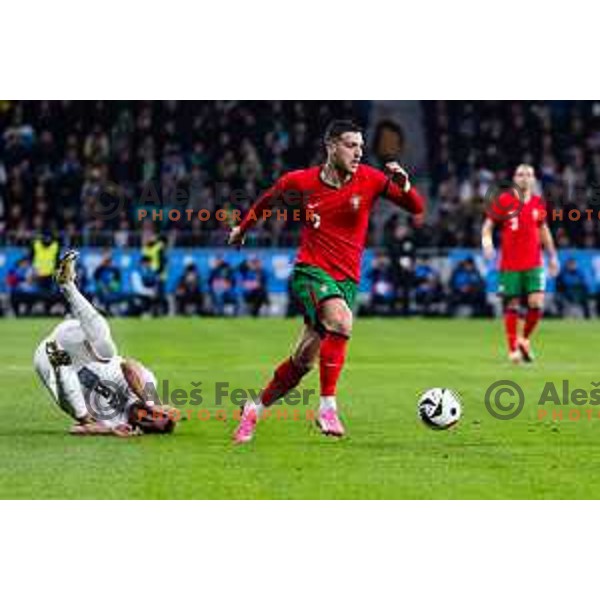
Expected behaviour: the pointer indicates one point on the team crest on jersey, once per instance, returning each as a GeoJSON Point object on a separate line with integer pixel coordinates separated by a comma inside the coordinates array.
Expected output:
{"type": "Point", "coordinates": [536, 214]}
{"type": "Point", "coordinates": [355, 201]}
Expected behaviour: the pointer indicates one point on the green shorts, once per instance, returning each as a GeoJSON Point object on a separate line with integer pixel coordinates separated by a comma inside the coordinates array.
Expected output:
{"type": "Point", "coordinates": [522, 283]}
{"type": "Point", "coordinates": [310, 286]}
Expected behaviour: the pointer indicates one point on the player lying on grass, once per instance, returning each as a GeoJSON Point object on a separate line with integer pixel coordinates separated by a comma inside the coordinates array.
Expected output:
{"type": "Point", "coordinates": [338, 198]}
{"type": "Point", "coordinates": [521, 218]}
{"type": "Point", "coordinates": [79, 365]}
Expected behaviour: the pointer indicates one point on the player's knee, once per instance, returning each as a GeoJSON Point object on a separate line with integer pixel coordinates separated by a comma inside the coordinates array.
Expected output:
{"type": "Point", "coordinates": [336, 317]}
{"type": "Point", "coordinates": [105, 348]}
{"type": "Point", "coordinates": [340, 324]}
{"type": "Point", "coordinates": [536, 303]}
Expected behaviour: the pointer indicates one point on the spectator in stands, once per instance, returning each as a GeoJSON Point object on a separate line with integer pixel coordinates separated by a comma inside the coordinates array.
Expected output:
{"type": "Point", "coordinates": [108, 284]}
{"type": "Point", "coordinates": [467, 289]}
{"type": "Point", "coordinates": [572, 289]}
{"type": "Point", "coordinates": [402, 253]}
{"type": "Point", "coordinates": [188, 293]}
{"type": "Point", "coordinates": [145, 298]}
{"type": "Point", "coordinates": [22, 287]}
{"type": "Point", "coordinates": [254, 284]}
{"type": "Point", "coordinates": [221, 283]}
{"type": "Point", "coordinates": [153, 249]}
{"type": "Point", "coordinates": [45, 253]}
{"type": "Point", "coordinates": [428, 287]}
{"type": "Point", "coordinates": [381, 276]}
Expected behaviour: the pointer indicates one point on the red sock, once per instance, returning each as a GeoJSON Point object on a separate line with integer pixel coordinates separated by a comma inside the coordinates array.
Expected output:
{"type": "Point", "coordinates": [511, 318]}
{"type": "Point", "coordinates": [332, 357]}
{"type": "Point", "coordinates": [531, 320]}
{"type": "Point", "coordinates": [286, 378]}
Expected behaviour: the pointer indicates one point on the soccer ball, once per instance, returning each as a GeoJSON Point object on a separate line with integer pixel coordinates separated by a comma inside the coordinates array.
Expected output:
{"type": "Point", "coordinates": [439, 408]}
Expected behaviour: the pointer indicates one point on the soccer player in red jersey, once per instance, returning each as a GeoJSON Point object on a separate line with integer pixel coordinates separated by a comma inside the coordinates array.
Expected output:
{"type": "Point", "coordinates": [337, 198]}
{"type": "Point", "coordinates": [521, 217]}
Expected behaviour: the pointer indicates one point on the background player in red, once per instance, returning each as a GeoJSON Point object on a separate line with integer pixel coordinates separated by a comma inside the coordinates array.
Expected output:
{"type": "Point", "coordinates": [337, 198]}
{"type": "Point", "coordinates": [521, 217]}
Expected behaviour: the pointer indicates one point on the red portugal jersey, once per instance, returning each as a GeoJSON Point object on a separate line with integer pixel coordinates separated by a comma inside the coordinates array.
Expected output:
{"type": "Point", "coordinates": [521, 245]}
{"type": "Point", "coordinates": [336, 221]}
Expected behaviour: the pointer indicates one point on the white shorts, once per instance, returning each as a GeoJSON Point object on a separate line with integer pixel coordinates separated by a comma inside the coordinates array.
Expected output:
{"type": "Point", "coordinates": [42, 366]}
{"type": "Point", "coordinates": [70, 397]}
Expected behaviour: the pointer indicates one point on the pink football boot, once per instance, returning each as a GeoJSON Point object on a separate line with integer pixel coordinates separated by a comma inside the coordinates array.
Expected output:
{"type": "Point", "coordinates": [329, 423]}
{"type": "Point", "coordinates": [245, 431]}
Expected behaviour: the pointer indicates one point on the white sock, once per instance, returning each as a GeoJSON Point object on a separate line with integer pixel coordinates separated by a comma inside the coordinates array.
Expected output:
{"type": "Point", "coordinates": [94, 325]}
{"type": "Point", "coordinates": [257, 407]}
{"type": "Point", "coordinates": [328, 402]}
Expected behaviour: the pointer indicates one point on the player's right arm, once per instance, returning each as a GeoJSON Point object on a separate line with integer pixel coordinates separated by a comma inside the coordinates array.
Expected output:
{"type": "Point", "coordinates": [237, 234]}
{"type": "Point", "coordinates": [487, 239]}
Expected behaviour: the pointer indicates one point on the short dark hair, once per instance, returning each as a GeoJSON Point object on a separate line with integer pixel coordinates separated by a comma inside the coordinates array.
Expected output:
{"type": "Point", "coordinates": [337, 128]}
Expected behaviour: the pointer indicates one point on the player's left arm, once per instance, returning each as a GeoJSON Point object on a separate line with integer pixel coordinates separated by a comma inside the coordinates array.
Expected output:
{"type": "Point", "coordinates": [399, 190]}
{"type": "Point", "coordinates": [550, 248]}
{"type": "Point", "coordinates": [124, 430]}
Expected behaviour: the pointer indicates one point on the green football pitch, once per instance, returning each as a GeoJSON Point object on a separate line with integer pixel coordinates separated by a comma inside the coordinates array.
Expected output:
{"type": "Point", "coordinates": [388, 453]}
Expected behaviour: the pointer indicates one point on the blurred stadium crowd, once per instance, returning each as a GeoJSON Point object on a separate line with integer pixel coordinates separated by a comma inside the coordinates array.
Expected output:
{"type": "Point", "coordinates": [58, 157]}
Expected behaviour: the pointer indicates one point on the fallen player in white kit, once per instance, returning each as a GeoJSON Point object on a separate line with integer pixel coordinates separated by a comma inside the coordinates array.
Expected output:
{"type": "Point", "coordinates": [78, 363]}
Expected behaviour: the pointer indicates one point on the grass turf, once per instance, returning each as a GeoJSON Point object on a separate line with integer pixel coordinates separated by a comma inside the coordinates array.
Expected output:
{"type": "Point", "coordinates": [387, 454]}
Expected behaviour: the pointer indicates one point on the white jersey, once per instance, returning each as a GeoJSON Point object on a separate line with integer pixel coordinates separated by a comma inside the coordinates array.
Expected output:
{"type": "Point", "coordinates": [107, 395]}
{"type": "Point", "coordinates": [105, 390]}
